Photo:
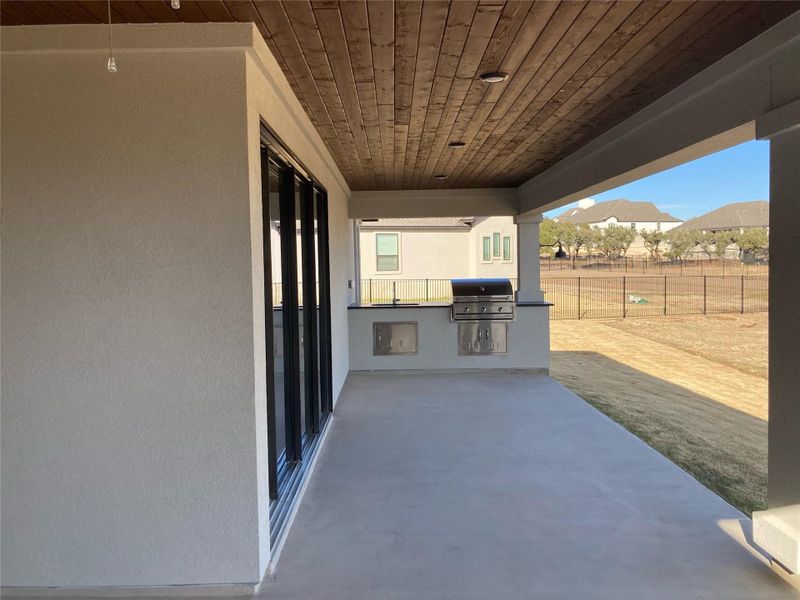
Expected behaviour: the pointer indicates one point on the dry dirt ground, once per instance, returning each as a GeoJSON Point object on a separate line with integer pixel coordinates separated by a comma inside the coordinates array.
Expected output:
{"type": "Point", "coordinates": [693, 387]}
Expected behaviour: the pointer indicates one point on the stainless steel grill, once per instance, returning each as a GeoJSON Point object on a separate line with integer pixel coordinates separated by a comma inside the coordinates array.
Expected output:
{"type": "Point", "coordinates": [482, 300]}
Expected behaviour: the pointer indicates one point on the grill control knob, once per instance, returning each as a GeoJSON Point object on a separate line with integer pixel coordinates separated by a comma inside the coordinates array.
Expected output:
{"type": "Point", "coordinates": [499, 309]}
{"type": "Point", "coordinates": [466, 309]}
{"type": "Point", "coordinates": [483, 309]}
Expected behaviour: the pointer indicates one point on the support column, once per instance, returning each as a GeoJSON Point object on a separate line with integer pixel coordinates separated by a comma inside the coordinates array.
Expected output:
{"type": "Point", "coordinates": [777, 529]}
{"type": "Point", "coordinates": [529, 284]}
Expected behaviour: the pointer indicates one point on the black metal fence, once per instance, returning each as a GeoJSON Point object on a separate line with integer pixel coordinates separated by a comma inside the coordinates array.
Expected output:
{"type": "Point", "coordinates": [696, 264]}
{"type": "Point", "coordinates": [598, 297]}
{"type": "Point", "coordinates": [409, 290]}
{"type": "Point", "coordinates": [620, 297]}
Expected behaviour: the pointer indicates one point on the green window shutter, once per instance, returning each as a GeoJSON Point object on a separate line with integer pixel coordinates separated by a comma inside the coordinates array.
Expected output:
{"type": "Point", "coordinates": [495, 244]}
{"type": "Point", "coordinates": [507, 248]}
{"type": "Point", "coordinates": [487, 249]}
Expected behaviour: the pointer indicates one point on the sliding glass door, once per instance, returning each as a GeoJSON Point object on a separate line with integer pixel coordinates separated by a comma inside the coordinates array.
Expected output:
{"type": "Point", "coordinates": [297, 298]}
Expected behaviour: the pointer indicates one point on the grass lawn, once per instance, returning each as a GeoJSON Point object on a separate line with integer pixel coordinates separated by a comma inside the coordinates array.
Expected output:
{"type": "Point", "coordinates": [694, 388]}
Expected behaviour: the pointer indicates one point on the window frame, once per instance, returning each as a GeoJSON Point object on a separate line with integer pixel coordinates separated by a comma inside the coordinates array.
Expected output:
{"type": "Point", "coordinates": [486, 249]}
{"type": "Point", "coordinates": [497, 250]}
{"type": "Point", "coordinates": [510, 257]}
{"type": "Point", "coordinates": [396, 234]}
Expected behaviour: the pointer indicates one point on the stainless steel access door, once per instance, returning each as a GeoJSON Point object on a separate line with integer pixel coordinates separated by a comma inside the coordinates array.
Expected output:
{"type": "Point", "coordinates": [484, 337]}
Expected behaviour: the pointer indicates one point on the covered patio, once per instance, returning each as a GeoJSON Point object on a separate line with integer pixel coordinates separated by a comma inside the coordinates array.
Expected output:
{"type": "Point", "coordinates": [186, 408]}
{"type": "Point", "coordinates": [504, 485]}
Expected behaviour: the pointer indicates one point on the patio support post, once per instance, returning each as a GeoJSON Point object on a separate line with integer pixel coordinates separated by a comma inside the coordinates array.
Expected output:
{"type": "Point", "coordinates": [777, 529]}
{"type": "Point", "coordinates": [530, 286]}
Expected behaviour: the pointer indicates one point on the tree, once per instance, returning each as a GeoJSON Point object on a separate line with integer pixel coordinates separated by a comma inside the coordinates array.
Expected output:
{"type": "Point", "coordinates": [614, 241]}
{"type": "Point", "coordinates": [549, 232]}
{"type": "Point", "coordinates": [753, 243]}
{"type": "Point", "coordinates": [652, 240]}
{"type": "Point", "coordinates": [583, 238]}
{"type": "Point", "coordinates": [568, 236]}
{"type": "Point", "coordinates": [722, 239]}
{"type": "Point", "coordinates": [625, 238]}
{"type": "Point", "coordinates": [680, 242]}
{"type": "Point", "coordinates": [706, 241]}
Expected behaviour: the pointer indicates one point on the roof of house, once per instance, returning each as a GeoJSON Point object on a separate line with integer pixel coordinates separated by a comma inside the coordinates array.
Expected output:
{"type": "Point", "coordinates": [624, 210]}
{"type": "Point", "coordinates": [423, 223]}
{"type": "Point", "coordinates": [568, 213]}
{"type": "Point", "coordinates": [732, 216]}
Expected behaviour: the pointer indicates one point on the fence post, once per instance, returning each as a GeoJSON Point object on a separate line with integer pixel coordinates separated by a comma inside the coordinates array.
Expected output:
{"type": "Point", "coordinates": [665, 295]}
{"type": "Point", "coordinates": [624, 304]}
{"type": "Point", "coordinates": [370, 290]}
{"type": "Point", "coordinates": [705, 295]}
{"type": "Point", "coordinates": [742, 291]}
{"type": "Point", "coordinates": [427, 295]}
{"type": "Point", "coordinates": [579, 298]}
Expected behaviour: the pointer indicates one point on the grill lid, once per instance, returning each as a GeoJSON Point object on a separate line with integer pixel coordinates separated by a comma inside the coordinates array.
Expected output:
{"type": "Point", "coordinates": [481, 287]}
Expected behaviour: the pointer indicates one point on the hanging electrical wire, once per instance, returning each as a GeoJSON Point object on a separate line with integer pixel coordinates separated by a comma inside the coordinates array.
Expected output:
{"type": "Point", "coordinates": [112, 64]}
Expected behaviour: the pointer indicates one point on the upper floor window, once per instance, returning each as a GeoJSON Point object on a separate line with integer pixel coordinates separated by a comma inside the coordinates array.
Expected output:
{"type": "Point", "coordinates": [658, 226]}
{"type": "Point", "coordinates": [507, 248]}
{"type": "Point", "coordinates": [633, 226]}
{"type": "Point", "coordinates": [387, 250]}
{"type": "Point", "coordinates": [495, 244]}
{"type": "Point", "coordinates": [487, 249]}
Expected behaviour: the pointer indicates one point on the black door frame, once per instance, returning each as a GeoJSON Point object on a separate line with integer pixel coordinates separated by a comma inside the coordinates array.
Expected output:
{"type": "Point", "coordinates": [269, 323]}
{"type": "Point", "coordinates": [283, 474]}
{"type": "Point", "coordinates": [307, 235]}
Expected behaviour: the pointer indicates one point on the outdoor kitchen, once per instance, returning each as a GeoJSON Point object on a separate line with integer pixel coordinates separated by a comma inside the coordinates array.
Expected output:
{"type": "Point", "coordinates": [485, 327]}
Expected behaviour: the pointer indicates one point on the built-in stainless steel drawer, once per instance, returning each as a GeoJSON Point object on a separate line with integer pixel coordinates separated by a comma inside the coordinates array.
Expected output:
{"type": "Point", "coordinates": [482, 338]}
{"type": "Point", "coordinates": [394, 338]}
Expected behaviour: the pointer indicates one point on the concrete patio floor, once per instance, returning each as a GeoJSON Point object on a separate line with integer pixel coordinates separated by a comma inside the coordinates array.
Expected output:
{"type": "Point", "coordinates": [503, 486]}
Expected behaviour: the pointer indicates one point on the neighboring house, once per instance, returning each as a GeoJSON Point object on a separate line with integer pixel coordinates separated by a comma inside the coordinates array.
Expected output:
{"type": "Point", "coordinates": [736, 216]}
{"type": "Point", "coordinates": [438, 248]}
{"type": "Point", "coordinates": [640, 216]}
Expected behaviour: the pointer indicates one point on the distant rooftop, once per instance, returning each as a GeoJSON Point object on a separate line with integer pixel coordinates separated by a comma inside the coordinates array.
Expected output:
{"type": "Point", "coordinates": [623, 210]}
{"type": "Point", "coordinates": [732, 216]}
{"type": "Point", "coordinates": [423, 223]}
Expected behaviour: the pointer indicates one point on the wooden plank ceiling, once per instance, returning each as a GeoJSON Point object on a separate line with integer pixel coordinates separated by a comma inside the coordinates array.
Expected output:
{"type": "Point", "coordinates": [390, 84]}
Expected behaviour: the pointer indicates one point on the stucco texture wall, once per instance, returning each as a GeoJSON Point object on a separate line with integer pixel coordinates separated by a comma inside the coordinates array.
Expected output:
{"type": "Point", "coordinates": [127, 322]}
{"type": "Point", "coordinates": [434, 254]}
{"type": "Point", "coordinates": [497, 267]}
{"type": "Point", "coordinates": [133, 414]}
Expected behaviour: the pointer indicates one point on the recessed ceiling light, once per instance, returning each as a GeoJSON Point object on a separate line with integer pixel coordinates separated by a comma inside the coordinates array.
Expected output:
{"type": "Point", "coordinates": [494, 77]}
{"type": "Point", "coordinates": [441, 176]}
{"type": "Point", "coordinates": [456, 145]}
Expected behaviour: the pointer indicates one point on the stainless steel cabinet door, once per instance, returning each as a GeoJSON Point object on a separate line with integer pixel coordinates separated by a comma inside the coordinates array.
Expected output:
{"type": "Point", "coordinates": [482, 338]}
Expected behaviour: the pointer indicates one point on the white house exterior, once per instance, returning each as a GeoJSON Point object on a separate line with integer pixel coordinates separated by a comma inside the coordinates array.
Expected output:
{"type": "Point", "coordinates": [438, 248]}
{"type": "Point", "coordinates": [639, 216]}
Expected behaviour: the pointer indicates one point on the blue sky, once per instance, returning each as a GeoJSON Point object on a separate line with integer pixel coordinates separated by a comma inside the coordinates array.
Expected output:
{"type": "Point", "coordinates": [737, 174]}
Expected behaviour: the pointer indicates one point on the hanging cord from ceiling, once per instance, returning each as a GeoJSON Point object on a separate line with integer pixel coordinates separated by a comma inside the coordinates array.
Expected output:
{"type": "Point", "coordinates": [112, 64]}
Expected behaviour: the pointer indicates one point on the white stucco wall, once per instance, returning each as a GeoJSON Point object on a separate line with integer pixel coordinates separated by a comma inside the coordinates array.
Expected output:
{"type": "Point", "coordinates": [133, 416]}
{"type": "Point", "coordinates": [434, 254]}
{"type": "Point", "coordinates": [640, 225]}
{"type": "Point", "coordinates": [442, 253]}
{"type": "Point", "coordinates": [497, 267]}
